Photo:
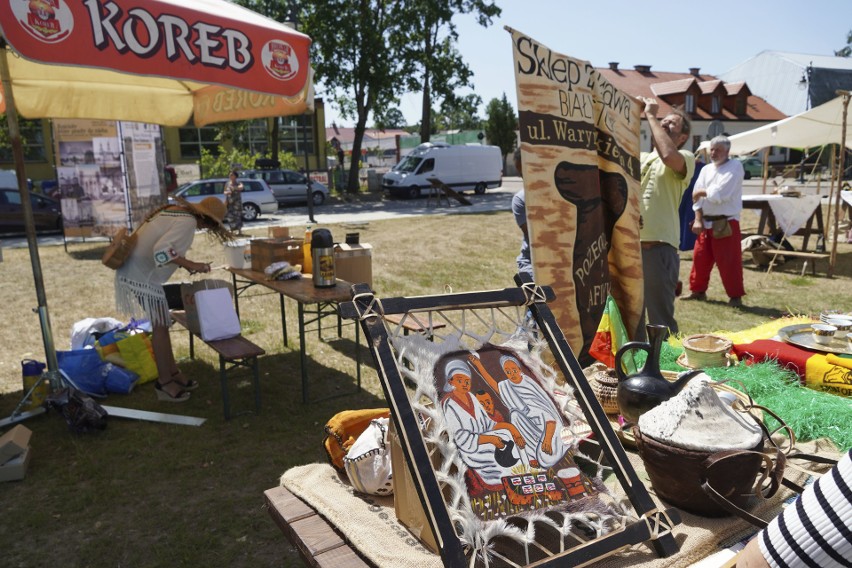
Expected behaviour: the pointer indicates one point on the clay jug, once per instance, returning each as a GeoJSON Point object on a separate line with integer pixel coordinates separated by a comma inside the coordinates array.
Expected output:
{"type": "Point", "coordinates": [645, 389]}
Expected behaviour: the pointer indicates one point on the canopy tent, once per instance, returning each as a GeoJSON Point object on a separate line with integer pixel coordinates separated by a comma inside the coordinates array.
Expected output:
{"type": "Point", "coordinates": [169, 62]}
{"type": "Point", "coordinates": [816, 127]}
{"type": "Point", "coordinates": [826, 124]}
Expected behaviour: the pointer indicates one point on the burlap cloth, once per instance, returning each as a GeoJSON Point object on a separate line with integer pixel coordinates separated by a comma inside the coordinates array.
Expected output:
{"type": "Point", "coordinates": [369, 522]}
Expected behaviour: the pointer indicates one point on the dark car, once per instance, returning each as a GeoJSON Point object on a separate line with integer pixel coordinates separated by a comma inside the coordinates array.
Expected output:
{"type": "Point", "coordinates": [289, 186]}
{"type": "Point", "coordinates": [47, 212]}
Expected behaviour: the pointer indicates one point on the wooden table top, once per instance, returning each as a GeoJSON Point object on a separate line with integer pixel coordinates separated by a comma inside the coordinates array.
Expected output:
{"type": "Point", "coordinates": [300, 289]}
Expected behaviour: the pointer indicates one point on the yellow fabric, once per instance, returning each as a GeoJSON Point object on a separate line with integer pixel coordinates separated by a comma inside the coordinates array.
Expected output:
{"type": "Point", "coordinates": [840, 361]}
{"type": "Point", "coordinates": [55, 91]}
{"type": "Point", "coordinates": [822, 375]}
{"type": "Point", "coordinates": [662, 190]}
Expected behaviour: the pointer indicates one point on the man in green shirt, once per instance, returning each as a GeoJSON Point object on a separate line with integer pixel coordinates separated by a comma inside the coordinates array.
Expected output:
{"type": "Point", "coordinates": [666, 173]}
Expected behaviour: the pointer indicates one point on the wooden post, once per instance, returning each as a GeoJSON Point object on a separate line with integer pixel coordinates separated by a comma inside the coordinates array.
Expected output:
{"type": "Point", "coordinates": [765, 168]}
{"type": "Point", "coordinates": [833, 259]}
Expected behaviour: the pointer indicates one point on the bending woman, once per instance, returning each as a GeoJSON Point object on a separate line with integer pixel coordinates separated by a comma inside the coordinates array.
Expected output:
{"type": "Point", "coordinates": [161, 246]}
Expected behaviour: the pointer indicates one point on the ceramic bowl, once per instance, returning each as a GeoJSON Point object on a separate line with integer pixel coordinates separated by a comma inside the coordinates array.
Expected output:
{"type": "Point", "coordinates": [843, 325]}
{"type": "Point", "coordinates": [823, 333]}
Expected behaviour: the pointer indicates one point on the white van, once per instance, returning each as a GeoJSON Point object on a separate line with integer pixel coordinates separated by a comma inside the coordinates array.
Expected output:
{"type": "Point", "coordinates": [460, 167]}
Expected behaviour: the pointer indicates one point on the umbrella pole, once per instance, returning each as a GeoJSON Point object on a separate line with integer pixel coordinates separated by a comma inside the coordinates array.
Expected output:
{"type": "Point", "coordinates": [27, 206]}
{"type": "Point", "coordinates": [841, 168]}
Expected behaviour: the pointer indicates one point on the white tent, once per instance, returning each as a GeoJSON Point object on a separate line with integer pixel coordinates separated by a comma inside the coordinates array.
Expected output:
{"type": "Point", "coordinates": [816, 127]}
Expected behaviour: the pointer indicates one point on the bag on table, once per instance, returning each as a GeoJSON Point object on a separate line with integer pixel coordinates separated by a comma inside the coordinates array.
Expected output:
{"type": "Point", "coordinates": [217, 317]}
{"type": "Point", "coordinates": [343, 429]}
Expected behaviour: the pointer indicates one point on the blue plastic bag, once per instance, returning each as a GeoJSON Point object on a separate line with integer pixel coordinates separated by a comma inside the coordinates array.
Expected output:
{"type": "Point", "coordinates": [119, 380]}
{"type": "Point", "coordinates": [85, 368]}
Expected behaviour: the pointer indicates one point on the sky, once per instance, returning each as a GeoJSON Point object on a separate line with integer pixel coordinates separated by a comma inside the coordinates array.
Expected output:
{"type": "Point", "coordinates": [668, 35]}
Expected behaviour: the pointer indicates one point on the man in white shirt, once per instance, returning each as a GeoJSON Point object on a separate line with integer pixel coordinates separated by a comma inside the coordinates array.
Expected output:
{"type": "Point", "coordinates": [718, 201]}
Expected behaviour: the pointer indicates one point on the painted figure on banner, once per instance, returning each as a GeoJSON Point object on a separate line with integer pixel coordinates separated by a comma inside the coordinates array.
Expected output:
{"type": "Point", "coordinates": [514, 464]}
{"type": "Point", "coordinates": [600, 198]}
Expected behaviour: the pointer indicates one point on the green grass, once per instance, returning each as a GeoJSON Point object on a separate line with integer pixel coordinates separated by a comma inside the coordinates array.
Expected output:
{"type": "Point", "coordinates": [144, 494]}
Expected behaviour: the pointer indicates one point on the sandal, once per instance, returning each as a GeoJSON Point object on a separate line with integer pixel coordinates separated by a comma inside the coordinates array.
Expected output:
{"type": "Point", "coordinates": [164, 396]}
{"type": "Point", "coordinates": [189, 385]}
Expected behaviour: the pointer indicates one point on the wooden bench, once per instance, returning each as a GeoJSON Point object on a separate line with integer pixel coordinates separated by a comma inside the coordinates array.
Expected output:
{"type": "Point", "coordinates": [234, 352]}
{"type": "Point", "coordinates": [319, 544]}
{"type": "Point", "coordinates": [810, 257]}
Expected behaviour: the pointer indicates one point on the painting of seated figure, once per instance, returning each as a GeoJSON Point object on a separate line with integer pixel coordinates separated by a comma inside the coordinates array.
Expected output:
{"type": "Point", "coordinates": [509, 432]}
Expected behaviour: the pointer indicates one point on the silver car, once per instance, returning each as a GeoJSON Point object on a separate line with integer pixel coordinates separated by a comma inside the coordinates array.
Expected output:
{"type": "Point", "coordinates": [257, 198]}
{"type": "Point", "coordinates": [289, 186]}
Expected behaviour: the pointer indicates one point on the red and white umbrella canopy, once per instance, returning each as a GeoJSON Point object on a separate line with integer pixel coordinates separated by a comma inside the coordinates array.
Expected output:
{"type": "Point", "coordinates": [159, 61]}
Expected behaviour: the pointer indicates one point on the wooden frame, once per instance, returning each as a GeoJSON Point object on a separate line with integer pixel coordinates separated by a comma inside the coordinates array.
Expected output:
{"type": "Point", "coordinates": [654, 525]}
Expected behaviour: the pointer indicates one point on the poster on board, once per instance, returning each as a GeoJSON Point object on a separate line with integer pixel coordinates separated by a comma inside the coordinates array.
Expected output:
{"type": "Point", "coordinates": [579, 140]}
{"type": "Point", "coordinates": [96, 196]}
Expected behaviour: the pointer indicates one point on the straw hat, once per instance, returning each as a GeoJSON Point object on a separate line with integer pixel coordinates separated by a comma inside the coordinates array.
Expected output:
{"type": "Point", "coordinates": [211, 207]}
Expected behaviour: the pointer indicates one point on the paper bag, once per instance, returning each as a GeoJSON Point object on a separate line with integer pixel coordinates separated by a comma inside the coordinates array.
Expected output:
{"type": "Point", "coordinates": [217, 318]}
{"type": "Point", "coordinates": [187, 294]}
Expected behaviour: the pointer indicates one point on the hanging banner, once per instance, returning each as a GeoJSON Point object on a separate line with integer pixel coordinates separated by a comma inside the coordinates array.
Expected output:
{"type": "Point", "coordinates": [580, 149]}
{"type": "Point", "coordinates": [145, 162]}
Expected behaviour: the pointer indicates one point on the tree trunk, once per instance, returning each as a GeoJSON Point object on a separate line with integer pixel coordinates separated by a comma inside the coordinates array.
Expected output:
{"type": "Point", "coordinates": [354, 184]}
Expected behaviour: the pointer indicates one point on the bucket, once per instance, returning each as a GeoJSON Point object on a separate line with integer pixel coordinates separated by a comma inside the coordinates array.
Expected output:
{"type": "Point", "coordinates": [32, 371]}
{"type": "Point", "coordinates": [238, 254]}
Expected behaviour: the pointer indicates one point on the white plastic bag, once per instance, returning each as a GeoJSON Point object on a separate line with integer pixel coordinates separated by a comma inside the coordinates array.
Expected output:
{"type": "Point", "coordinates": [83, 332]}
{"type": "Point", "coordinates": [217, 318]}
{"type": "Point", "coordinates": [368, 462]}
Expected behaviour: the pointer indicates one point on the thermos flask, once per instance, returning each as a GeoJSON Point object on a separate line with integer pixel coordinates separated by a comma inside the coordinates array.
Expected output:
{"type": "Point", "coordinates": [322, 251]}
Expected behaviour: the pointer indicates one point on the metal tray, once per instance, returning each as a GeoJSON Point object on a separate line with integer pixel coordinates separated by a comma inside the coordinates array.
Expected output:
{"type": "Point", "coordinates": [802, 335]}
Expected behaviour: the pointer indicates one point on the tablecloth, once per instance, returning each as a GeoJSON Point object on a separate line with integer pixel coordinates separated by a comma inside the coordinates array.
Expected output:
{"type": "Point", "coordinates": [791, 213]}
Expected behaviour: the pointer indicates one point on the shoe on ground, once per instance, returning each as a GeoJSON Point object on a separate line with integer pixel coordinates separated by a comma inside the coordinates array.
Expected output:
{"type": "Point", "coordinates": [736, 302]}
{"type": "Point", "coordinates": [698, 296]}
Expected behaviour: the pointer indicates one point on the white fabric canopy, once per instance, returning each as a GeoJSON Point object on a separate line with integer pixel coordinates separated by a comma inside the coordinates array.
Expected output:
{"type": "Point", "coordinates": [816, 127]}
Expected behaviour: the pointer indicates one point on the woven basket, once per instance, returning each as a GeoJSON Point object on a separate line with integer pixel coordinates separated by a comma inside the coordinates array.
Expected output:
{"type": "Point", "coordinates": [705, 350]}
{"type": "Point", "coordinates": [604, 384]}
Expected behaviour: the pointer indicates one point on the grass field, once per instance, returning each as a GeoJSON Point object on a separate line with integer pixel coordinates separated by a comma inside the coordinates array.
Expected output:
{"type": "Point", "coordinates": [147, 494]}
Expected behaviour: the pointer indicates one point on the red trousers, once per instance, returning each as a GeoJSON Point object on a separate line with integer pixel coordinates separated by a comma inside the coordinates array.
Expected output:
{"type": "Point", "coordinates": [724, 253]}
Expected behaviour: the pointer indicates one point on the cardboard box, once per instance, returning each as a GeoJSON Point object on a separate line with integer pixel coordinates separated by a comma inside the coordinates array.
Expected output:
{"type": "Point", "coordinates": [14, 443]}
{"type": "Point", "coordinates": [266, 251]}
{"type": "Point", "coordinates": [16, 468]}
{"type": "Point", "coordinates": [406, 503]}
{"type": "Point", "coordinates": [354, 263]}
{"type": "Point", "coordinates": [187, 294]}
{"type": "Point", "coordinates": [278, 232]}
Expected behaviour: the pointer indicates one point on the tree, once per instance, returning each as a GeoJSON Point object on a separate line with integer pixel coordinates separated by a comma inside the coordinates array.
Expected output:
{"type": "Point", "coordinates": [462, 113]}
{"type": "Point", "coordinates": [501, 124]}
{"type": "Point", "coordinates": [847, 50]}
{"type": "Point", "coordinates": [356, 58]}
{"type": "Point", "coordinates": [390, 118]}
{"type": "Point", "coordinates": [429, 59]}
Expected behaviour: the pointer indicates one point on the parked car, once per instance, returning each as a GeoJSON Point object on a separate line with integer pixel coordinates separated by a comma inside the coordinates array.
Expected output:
{"type": "Point", "coordinates": [289, 186]}
{"type": "Point", "coordinates": [753, 167]}
{"type": "Point", "coordinates": [47, 212]}
{"type": "Point", "coordinates": [257, 197]}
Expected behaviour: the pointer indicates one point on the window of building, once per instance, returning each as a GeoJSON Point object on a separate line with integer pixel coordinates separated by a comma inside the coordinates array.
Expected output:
{"type": "Point", "coordinates": [740, 106]}
{"type": "Point", "coordinates": [192, 140]}
{"type": "Point", "coordinates": [296, 135]}
{"type": "Point", "coordinates": [714, 105]}
{"type": "Point", "coordinates": [690, 103]}
{"type": "Point", "coordinates": [32, 138]}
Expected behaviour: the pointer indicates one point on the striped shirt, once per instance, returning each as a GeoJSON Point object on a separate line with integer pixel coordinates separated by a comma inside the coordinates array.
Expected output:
{"type": "Point", "coordinates": [816, 530]}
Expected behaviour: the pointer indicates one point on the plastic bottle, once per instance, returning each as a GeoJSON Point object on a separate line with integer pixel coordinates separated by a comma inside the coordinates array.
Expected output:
{"type": "Point", "coordinates": [307, 260]}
